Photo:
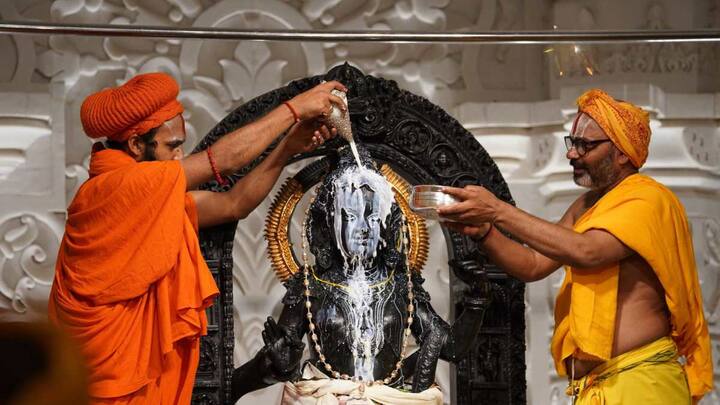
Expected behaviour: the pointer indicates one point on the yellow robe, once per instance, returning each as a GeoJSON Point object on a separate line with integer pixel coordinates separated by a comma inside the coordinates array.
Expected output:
{"type": "Point", "coordinates": [648, 375]}
{"type": "Point", "coordinates": [649, 219]}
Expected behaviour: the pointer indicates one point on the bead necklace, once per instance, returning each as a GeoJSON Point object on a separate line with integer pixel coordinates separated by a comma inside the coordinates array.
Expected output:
{"type": "Point", "coordinates": [344, 287]}
{"type": "Point", "coordinates": [316, 345]}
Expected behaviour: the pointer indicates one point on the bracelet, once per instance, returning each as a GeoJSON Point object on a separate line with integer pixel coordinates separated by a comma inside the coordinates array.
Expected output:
{"type": "Point", "coordinates": [295, 115]}
{"type": "Point", "coordinates": [221, 181]}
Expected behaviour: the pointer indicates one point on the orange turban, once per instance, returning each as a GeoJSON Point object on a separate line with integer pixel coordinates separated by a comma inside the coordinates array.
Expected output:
{"type": "Point", "coordinates": [145, 102]}
{"type": "Point", "coordinates": [627, 126]}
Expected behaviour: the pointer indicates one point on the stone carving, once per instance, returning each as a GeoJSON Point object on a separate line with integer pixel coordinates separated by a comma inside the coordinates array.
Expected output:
{"type": "Point", "coordinates": [208, 356]}
{"type": "Point", "coordinates": [709, 266]}
{"type": "Point", "coordinates": [703, 145]}
{"type": "Point", "coordinates": [362, 245]}
{"type": "Point", "coordinates": [27, 263]}
{"type": "Point", "coordinates": [545, 146]}
{"type": "Point", "coordinates": [203, 399]}
{"type": "Point", "coordinates": [378, 108]}
{"type": "Point", "coordinates": [711, 231]}
{"type": "Point", "coordinates": [672, 60]}
{"type": "Point", "coordinates": [75, 176]}
{"type": "Point", "coordinates": [507, 18]}
{"type": "Point", "coordinates": [252, 65]}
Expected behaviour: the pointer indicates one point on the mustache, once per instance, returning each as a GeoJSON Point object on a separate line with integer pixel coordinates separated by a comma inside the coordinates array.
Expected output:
{"type": "Point", "coordinates": [575, 164]}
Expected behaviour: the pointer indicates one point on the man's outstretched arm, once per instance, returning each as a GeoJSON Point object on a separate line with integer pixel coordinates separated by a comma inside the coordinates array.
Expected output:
{"type": "Point", "coordinates": [238, 148]}
{"type": "Point", "coordinates": [251, 190]}
{"type": "Point", "coordinates": [549, 245]}
{"type": "Point", "coordinates": [520, 261]}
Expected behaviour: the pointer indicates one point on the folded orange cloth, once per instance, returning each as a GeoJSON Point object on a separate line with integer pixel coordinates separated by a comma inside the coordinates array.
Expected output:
{"type": "Point", "coordinates": [130, 283]}
{"type": "Point", "coordinates": [648, 218]}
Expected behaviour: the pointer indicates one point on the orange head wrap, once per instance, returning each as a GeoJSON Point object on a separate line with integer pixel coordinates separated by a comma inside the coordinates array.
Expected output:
{"type": "Point", "coordinates": [627, 126]}
{"type": "Point", "coordinates": [145, 102]}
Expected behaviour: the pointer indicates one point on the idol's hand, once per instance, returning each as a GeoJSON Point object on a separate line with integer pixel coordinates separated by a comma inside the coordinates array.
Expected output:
{"type": "Point", "coordinates": [307, 135]}
{"type": "Point", "coordinates": [476, 206]}
{"type": "Point", "coordinates": [318, 101]}
{"type": "Point", "coordinates": [284, 349]}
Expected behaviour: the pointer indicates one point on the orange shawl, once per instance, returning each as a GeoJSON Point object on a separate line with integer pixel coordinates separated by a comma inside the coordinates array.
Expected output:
{"type": "Point", "coordinates": [130, 281]}
{"type": "Point", "coordinates": [649, 219]}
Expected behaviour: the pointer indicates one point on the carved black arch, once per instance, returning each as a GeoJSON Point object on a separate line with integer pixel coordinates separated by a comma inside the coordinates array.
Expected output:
{"type": "Point", "coordinates": [425, 145]}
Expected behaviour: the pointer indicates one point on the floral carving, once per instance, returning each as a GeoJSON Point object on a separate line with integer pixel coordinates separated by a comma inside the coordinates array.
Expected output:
{"type": "Point", "coordinates": [27, 264]}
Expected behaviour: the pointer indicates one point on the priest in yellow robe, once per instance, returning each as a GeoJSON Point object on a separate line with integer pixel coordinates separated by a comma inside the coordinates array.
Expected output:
{"type": "Point", "coordinates": [629, 323]}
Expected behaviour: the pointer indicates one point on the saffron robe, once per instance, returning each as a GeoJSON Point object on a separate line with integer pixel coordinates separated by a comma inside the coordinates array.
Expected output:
{"type": "Point", "coordinates": [648, 218]}
{"type": "Point", "coordinates": [131, 285]}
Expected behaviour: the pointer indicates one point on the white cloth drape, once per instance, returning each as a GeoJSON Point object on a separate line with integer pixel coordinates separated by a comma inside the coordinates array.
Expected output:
{"type": "Point", "coordinates": [316, 388]}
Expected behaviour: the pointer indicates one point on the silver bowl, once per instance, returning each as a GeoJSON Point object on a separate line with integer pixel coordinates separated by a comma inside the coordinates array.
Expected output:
{"type": "Point", "coordinates": [426, 198]}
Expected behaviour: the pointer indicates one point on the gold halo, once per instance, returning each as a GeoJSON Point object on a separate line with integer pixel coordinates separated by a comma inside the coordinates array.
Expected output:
{"type": "Point", "coordinates": [278, 219]}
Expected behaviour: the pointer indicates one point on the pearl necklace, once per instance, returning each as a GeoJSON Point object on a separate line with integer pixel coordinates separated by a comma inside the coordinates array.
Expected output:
{"type": "Point", "coordinates": [316, 345]}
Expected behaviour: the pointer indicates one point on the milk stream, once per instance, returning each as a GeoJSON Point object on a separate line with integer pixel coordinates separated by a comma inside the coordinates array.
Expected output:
{"type": "Point", "coordinates": [365, 320]}
{"type": "Point", "coordinates": [355, 153]}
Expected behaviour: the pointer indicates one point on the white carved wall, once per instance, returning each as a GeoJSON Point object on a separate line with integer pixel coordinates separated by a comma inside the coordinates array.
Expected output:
{"type": "Point", "coordinates": [517, 100]}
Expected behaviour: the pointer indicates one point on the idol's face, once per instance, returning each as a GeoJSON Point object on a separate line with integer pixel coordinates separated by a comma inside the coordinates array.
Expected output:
{"type": "Point", "coordinates": [359, 212]}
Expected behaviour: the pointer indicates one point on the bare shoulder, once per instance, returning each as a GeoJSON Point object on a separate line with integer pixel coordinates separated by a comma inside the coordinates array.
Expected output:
{"type": "Point", "coordinates": [578, 208]}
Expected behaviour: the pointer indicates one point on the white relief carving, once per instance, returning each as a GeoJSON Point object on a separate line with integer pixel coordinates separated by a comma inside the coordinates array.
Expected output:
{"type": "Point", "coordinates": [252, 69]}
{"type": "Point", "coordinates": [241, 70]}
{"type": "Point", "coordinates": [17, 138]}
{"type": "Point", "coordinates": [318, 10]}
{"type": "Point", "coordinates": [573, 59]}
{"type": "Point", "coordinates": [708, 264]}
{"type": "Point", "coordinates": [423, 68]}
{"type": "Point", "coordinates": [582, 61]}
{"type": "Point", "coordinates": [711, 232]}
{"type": "Point", "coordinates": [27, 263]}
{"type": "Point", "coordinates": [75, 176]}
{"type": "Point", "coordinates": [703, 145]}
{"type": "Point", "coordinates": [20, 50]}
{"type": "Point", "coordinates": [711, 398]}
{"type": "Point", "coordinates": [249, 337]}
{"type": "Point", "coordinates": [184, 8]}
{"type": "Point", "coordinates": [677, 67]}
{"type": "Point", "coordinates": [507, 18]}
{"type": "Point", "coordinates": [545, 146]}
{"type": "Point", "coordinates": [480, 64]}
{"type": "Point", "coordinates": [656, 17]}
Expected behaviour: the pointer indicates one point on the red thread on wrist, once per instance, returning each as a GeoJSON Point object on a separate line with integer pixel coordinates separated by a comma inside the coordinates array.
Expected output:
{"type": "Point", "coordinates": [295, 115]}
{"type": "Point", "coordinates": [218, 177]}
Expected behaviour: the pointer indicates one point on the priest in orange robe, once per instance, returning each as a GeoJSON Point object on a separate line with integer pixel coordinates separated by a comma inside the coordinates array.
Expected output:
{"type": "Point", "coordinates": [630, 305]}
{"type": "Point", "coordinates": [131, 286]}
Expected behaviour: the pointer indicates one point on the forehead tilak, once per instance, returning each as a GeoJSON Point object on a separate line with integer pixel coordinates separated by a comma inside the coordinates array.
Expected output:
{"type": "Point", "coordinates": [582, 123]}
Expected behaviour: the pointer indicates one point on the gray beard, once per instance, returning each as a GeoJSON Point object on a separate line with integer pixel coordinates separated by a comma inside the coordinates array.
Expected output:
{"type": "Point", "coordinates": [599, 177]}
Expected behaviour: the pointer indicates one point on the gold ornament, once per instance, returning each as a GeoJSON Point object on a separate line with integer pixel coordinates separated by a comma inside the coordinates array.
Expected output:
{"type": "Point", "coordinates": [278, 219]}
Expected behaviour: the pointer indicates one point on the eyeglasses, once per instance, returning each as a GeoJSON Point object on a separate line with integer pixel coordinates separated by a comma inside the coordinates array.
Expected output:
{"type": "Point", "coordinates": [582, 146]}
